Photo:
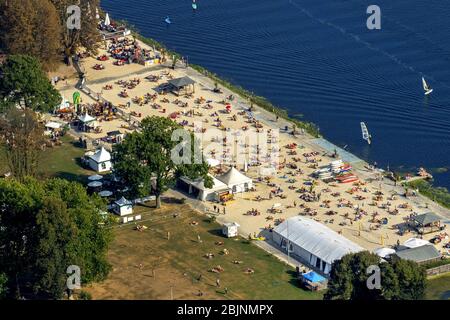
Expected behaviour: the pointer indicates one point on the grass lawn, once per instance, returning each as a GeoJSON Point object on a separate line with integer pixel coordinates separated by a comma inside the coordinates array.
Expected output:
{"type": "Point", "coordinates": [438, 288]}
{"type": "Point", "coordinates": [64, 162]}
{"type": "Point", "coordinates": [59, 162]}
{"type": "Point", "coordinates": [146, 264]}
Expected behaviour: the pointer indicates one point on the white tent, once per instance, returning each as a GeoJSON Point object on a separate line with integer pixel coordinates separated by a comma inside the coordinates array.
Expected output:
{"type": "Point", "coordinates": [384, 252]}
{"type": "Point", "coordinates": [100, 161]}
{"type": "Point", "coordinates": [197, 186]}
{"type": "Point", "coordinates": [236, 181]}
{"type": "Point", "coordinates": [212, 162]}
{"type": "Point", "coordinates": [313, 242]}
{"type": "Point", "coordinates": [415, 242]}
{"type": "Point", "coordinates": [107, 20]}
{"type": "Point", "coordinates": [65, 104]}
{"type": "Point", "coordinates": [53, 125]}
{"type": "Point", "coordinates": [86, 118]}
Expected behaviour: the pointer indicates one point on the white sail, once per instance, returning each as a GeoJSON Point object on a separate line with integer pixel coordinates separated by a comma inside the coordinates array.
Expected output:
{"type": "Point", "coordinates": [365, 133]}
{"type": "Point", "coordinates": [426, 87]}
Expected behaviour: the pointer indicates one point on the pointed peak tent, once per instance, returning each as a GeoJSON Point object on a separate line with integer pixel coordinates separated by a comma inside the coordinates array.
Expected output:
{"type": "Point", "coordinates": [86, 118]}
{"type": "Point", "coordinates": [101, 155]}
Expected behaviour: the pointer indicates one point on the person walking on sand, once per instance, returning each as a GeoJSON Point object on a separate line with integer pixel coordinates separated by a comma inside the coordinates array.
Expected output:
{"type": "Point", "coordinates": [199, 239]}
{"type": "Point", "coordinates": [226, 290]}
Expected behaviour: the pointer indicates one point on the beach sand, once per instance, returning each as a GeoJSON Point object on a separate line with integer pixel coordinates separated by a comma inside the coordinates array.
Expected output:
{"type": "Point", "coordinates": [343, 222]}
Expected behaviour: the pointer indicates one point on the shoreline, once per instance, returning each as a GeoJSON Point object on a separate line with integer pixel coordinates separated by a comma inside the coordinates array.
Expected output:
{"type": "Point", "coordinates": [311, 129]}
{"type": "Point", "coordinates": [359, 230]}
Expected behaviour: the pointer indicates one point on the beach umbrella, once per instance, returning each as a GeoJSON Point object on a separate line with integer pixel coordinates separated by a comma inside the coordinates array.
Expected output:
{"type": "Point", "coordinates": [173, 115]}
{"type": "Point", "coordinates": [105, 193]}
{"type": "Point", "coordinates": [95, 184]}
{"type": "Point", "coordinates": [384, 252]}
{"type": "Point", "coordinates": [107, 20]}
{"type": "Point", "coordinates": [95, 177]}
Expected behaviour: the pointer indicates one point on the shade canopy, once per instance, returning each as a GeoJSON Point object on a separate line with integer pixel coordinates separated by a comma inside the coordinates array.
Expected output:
{"type": "Point", "coordinates": [426, 218]}
{"type": "Point", "coordinates": [313, 277]}
{"type": "Point", "coordinates": [384, 252]}
{"type": "Point", "coordinates": [415, 242]}
{"type": "Point", "coordinates": [53, 125]}
{"type": "Point", "coordinates": [181, 82]}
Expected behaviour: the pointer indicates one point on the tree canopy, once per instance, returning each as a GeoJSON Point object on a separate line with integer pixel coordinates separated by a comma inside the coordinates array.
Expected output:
{"type": "Point", "coordinates": [399, 279]}
{"type": "Point", "coordinates": [23, 83]}
{"type": "Point", "coordinates": [32, 27]}
{"type": "Point", "coordinates": [47, 227]}
{"type": "Point", "coordinates": [21, 138]}
{"type": "Point", "coordinates": [39, 28]}
{"type": "Point", "coordinates": [144, 160]}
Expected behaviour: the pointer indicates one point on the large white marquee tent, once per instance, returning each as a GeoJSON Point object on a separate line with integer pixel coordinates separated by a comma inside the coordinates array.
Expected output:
{"type": "Point", "coordinates": [313, 242]}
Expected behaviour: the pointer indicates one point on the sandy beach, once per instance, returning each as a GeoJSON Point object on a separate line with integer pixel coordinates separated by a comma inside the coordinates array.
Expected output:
{"type": "Point", "coordinates": [355, 211]}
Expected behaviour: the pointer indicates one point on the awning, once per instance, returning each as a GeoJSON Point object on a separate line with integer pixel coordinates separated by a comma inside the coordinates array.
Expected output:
{"type": "Point", "coordinates": [313, 277]}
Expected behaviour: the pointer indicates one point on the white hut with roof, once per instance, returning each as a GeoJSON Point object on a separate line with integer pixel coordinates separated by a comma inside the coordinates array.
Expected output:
{"type": "Point", "coordinates": [236, 181]}
{"type": "Point", "coordinates": [123, 207]}
{"type": "Point", "coordinates": [100, 161]}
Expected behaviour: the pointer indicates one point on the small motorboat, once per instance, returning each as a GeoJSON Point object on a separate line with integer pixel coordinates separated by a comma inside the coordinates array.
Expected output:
{"type": "Point", "coordinates": [194, 5]}
{"type": "Point", "coordinates": [426, 87]}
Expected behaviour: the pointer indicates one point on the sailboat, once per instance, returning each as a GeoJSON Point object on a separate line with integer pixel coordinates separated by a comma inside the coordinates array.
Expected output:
{"type": "Point", "coordinates": [194, 5]}
{"type": "Point", "coordinates": [365, 133]}
{"type": "Point", "coordinates": [426, 87]}
{"type": "Point", "coordinates": [167, 20]}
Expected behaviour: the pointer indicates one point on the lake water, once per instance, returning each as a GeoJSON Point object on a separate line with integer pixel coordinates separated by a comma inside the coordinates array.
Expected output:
{"type": "Point", "coordinates": [318, 60]}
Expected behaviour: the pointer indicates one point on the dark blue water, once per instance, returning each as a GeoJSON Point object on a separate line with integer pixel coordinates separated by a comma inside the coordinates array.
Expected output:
{"type": "Point", "coordinates": [317, 59]}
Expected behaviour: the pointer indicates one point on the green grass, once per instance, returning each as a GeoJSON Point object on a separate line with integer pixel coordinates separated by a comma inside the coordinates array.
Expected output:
{"type": "Point", "coordinates": [272, 279]}
{"type": "Point", "coordinates": [64, 162]}
{"type": "Point", "coordinates": [437, 194]}
{"type": "Point", "coordinates": [438, 287]}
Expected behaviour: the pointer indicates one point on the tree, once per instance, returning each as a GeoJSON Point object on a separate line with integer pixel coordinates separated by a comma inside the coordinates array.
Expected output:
{"type": "Point", "coordinates": [411, 279]}
{"type": "Point", "coordinates": [54, 231]}
{"type": "Point", "coordinates": [31, 26]}
{"type": "Point", "coordinates": [21, 137]}
{"type": "Point", "coordinates": [23, 83]}
{"type": "Point", "coordinates": [399, 279]}
{"type": "Point", "coordinates": [87, 36]}
{"type": "Point", "coordinates": [46, 227]}
{"type": "Point", "coordinates": [144, 160]}
{"type": "Point", "coordinates": [348, 278]}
